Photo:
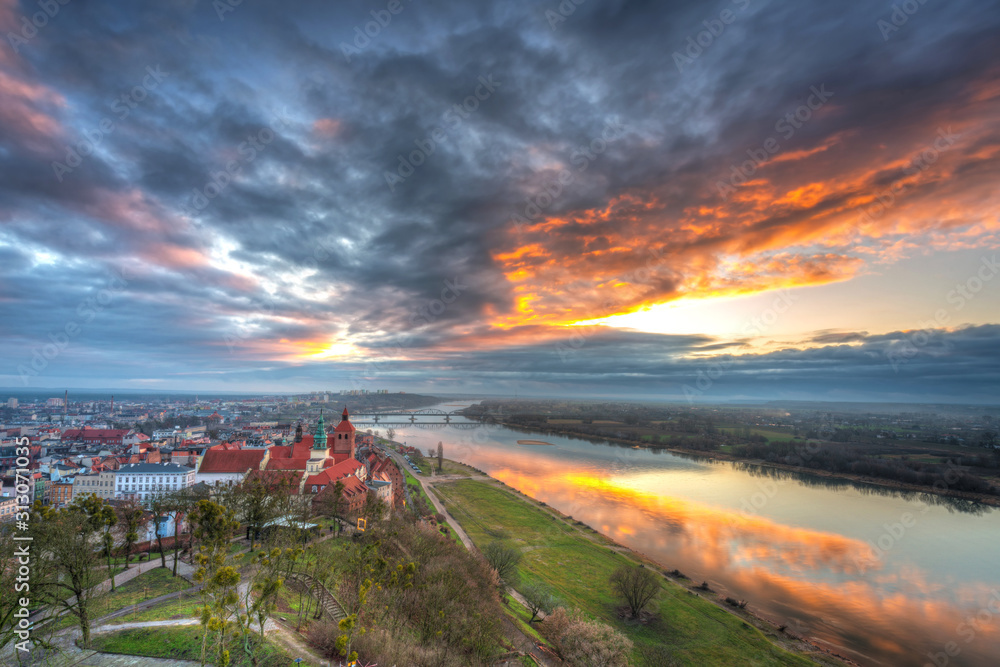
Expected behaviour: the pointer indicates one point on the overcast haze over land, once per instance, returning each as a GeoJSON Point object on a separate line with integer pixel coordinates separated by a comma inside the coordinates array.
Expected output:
{"type": "Point", "coordinates": [854, 261]}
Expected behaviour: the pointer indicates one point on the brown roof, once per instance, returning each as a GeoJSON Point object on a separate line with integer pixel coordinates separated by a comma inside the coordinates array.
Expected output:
{"type": "Point", "coordinates": [287, 479]}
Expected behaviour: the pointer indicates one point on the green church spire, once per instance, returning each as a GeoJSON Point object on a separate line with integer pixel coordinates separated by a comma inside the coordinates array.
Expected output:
{"type": "Point", "coordinates": [319, 438]}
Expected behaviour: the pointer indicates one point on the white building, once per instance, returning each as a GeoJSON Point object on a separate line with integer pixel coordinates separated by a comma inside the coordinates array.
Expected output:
{"type": "Point", "coordinates": [142, 480]}
{"type": "Point", "coordinates": [165, 433]}
{"type": "Point", "coordinates": [11, 402]}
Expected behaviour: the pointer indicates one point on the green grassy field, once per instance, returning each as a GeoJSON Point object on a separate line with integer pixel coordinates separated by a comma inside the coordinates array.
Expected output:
{"type": "Point", "coordinates": [184, 643]}
{"type": "Point", "coordinates": [769, 433]}
{"type": "Point", "coordinates": [147, 585]}
{"type": "Point", "coordinates": [171, 609]}
{"type": "Point", "coordinates": [455, 468]}
{"type": "Point", "coordinates": [576, 565]}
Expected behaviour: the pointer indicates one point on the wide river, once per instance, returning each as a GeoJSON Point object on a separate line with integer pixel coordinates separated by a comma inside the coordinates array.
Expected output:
{"type": "Point", "coordinates": [880, 576]}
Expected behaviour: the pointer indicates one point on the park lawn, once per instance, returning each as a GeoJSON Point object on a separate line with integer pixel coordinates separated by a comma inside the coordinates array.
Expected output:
{"type": "Point", "coordinates": [184, 643]}
{"type": "Point", "coordinates": [178, 608]}
{"type": "Point", "coordinates": [147, 585]}
{"type": "Point", "coordinates": [576, 566]}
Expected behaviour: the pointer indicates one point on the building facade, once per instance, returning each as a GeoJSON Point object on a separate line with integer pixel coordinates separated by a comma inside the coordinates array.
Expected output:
{"type": "Point", "coordinates": [61, 492]}
{"type": "Point", "coordinates": [100, 484]}
{"type": "Point", "coordinates": [143, 480]}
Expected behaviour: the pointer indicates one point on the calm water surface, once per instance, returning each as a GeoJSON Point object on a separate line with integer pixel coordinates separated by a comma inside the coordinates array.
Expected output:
{"type": "Point", "coordinates": [883, 577]}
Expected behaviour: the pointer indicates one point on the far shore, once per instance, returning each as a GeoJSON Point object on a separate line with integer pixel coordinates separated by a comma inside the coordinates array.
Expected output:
{"type": "Point", "coordinates": [722, 456]}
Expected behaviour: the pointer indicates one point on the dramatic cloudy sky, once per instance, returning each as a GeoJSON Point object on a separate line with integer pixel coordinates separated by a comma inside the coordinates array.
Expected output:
{"type": "Point", "coordinates": [704, 200]}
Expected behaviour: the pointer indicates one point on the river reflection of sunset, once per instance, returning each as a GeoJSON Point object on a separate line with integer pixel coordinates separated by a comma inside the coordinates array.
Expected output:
{"type": "Point", "coordinates": [823, 584]}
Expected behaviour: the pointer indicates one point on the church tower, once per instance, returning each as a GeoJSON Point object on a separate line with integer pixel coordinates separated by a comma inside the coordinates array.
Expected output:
{"type": "Point", "coordinates": [343, 438]}
{"type": "Point", "coordinates": [320, 452]}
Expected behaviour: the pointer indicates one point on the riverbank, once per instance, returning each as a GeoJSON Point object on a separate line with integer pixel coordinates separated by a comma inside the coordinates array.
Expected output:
{"type": "Point", "coordinates": [691, 625]}
{"type": "Point", "coordinates": [724, 456]}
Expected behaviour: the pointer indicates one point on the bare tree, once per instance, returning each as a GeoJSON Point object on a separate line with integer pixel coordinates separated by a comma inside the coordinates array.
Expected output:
{"type": "Point", "coordinates": [129, 514]}
{"type": "Point", "coordinates": [539, 599]}
{"type": "Point", "coordinates": [636, 585]}
{"type": "Point", "coordinates": [160, 505]}
{"type": "Point", "coordinates": [390, 434]}
{"type": "Point", "coordinates": [257, 502]}
{"type": "Point", "coordinates": [332, 503]}
{"type": "Point", "coordinates": [102, 516]}
{"type": "Point", "coordinates": [504, 558]}
{"type": "Point", "coordinates": [173, 506]}
{"type": "Point", "coordinates": [67, 574]}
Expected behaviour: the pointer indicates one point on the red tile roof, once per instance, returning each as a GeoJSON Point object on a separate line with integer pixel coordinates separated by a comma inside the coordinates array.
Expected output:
{"type": "Point", "coordinates": [354, 486]}
{"type": "Point", "coordinates": [345, 468]}
{"type": "Point", "coordinates": [234, 460]}
{"type": "Point", "coordinates": [345, 423]}
{"type": "Point", "coordinates": [287, 464]}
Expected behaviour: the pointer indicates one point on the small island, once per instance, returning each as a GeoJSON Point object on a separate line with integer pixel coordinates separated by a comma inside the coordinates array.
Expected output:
{"type": "Point", "coordinates": [534, 442]}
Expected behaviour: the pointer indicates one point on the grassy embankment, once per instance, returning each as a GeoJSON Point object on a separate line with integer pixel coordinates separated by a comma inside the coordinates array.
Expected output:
{"type": "Point", "coordinates": [412, 482]}
{"type": "Point", "coordinates": [576, 564]}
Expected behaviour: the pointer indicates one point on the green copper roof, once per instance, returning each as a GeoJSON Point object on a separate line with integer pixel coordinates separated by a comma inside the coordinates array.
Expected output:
{"type": "Point", "coordinates": [319, 438]}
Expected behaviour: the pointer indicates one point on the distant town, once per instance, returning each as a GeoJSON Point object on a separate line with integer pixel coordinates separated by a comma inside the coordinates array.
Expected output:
{"type": "Point", "coordinates": [132, 448]}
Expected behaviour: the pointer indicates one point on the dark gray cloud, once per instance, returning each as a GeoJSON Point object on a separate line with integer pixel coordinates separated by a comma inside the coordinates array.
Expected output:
{"type": "Point", "coordinates": [306, 241]}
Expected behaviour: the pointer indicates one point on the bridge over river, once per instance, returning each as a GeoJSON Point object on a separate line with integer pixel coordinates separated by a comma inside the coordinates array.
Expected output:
{"type": "Point", "coordinates": [422, 417]}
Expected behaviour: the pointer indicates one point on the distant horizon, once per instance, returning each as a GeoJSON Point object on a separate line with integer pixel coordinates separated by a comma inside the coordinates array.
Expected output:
{"type": "Point", "coordinates": [58, 392]}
